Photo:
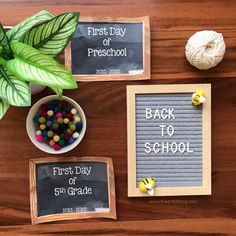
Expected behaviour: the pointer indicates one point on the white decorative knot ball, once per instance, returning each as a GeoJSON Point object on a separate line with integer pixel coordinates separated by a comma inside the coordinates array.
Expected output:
{"type": "Point", "coordinates": [205, 49]}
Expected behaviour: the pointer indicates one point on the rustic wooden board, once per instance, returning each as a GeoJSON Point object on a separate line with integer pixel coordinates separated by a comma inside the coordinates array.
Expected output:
{"type": "Point", "coordinates": [172, 22]}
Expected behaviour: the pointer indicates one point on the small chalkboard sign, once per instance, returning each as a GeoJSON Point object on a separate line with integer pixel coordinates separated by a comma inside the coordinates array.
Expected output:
{"type": "Point", "coordinates": [169, 139]}
{"type": "Point", "coordinates": [104, 49]}
{"type": "Point", "coordinates": [71, 188]}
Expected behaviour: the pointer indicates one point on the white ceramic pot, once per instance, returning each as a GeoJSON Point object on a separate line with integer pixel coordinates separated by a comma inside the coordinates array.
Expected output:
{"type": "Point", "coordinates": [31, 129]}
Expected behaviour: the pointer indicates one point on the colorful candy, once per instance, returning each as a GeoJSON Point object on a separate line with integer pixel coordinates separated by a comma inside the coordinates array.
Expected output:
{"type": "Point", "coordinates": [73, 127]}
{"type": "Point", "coordinates": [42, 126]}
{"type": "Point", "coordinates": [66, 120]}
{"type": "Point", "coordinates": [73, 111]}
{"type": "Point", "coordinates": [42, 119]}
{"type": "Point", "coordinates": [75, 135]}
{"type": "Point", "coordinates": [77, 119]}
{"type": "Point", "coordinates": [57, 124]}
{"type": "Point", "coordinates": [57, 147]}
{"type": "Point", "coordinates": [69, 116]}
{"type": "Point", "coordinates": [50, 112]}
{"type": "Point", "coordinates": [39, 138]}
{"type": "Point", "coordinates": [59, 115]}
{"type": "Point", "coordinates": [56, 138]}
{"type": "Point", "coordinates": [50, 133]}
{"type": "Point", "coordinates": [38, 132]}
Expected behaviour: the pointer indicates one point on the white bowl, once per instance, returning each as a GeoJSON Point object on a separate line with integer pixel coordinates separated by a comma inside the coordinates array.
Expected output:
{"type": "Point", "coordinates": [31, 129]}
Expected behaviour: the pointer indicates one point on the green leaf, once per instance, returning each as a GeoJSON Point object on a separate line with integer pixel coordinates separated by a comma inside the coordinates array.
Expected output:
{"type": "Point", "coordinates": [58, 91]}
{"type": "Point", "coordinates": [15, 34]}
{"type": "Point", "coordinates": [15, 91]}
{"type": "Point", "coordinates": [4, 105]}
{"type": "Point", "coordinates": [34, 66]}
{"type": "Point", "coordinates": [51, 37]}
{"type": "Point", "coordinates": [5, 45]}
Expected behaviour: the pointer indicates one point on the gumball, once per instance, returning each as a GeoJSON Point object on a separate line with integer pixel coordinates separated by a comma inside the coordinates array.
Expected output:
{"type": "Point", "coordinates": [36, 119]}
{"type": "Point", "coordinates": [61, 142]}
{"type": "Point", "coordinates": [49, 123]}
{"type": "Point", "coordinates": [77, 119]}
{"type": "Point", "coordinates": [69, 131]}
{"type": "Point", "coordinates": [73, 127]}
{"type": "Point", "coordinates": [64, 103]}
{"type": "Point", "coordinates": [79, 126]}
{"type": "Point", "coordinates": [67, 136]}
{"type": "Point", "coordinates": [44, 107]}
{"type": "Point", "coordinates": [51, 106]}
{"type": "Point", "coordinates": [71, 140]}
{"type": "Point", "coordinates": [44, 133]}
{"type": "Point", "coordinates": [66, 120]}
{"type": "Point", "coordinates": [55, 125]}
{"type": "Point", "coordinates": [56, 138]}
{"type": "Point", "coordinates": [38, 132]}
{"type": "Point", "coordinates": [42, 119]}
{"type": "Point", "coordinates": [60, 120]}
{"type": "Point", "coordinates": [51, 142]}
{"type": "Point", "coordinates": [43, 113]}
{"type": "Point", "coordinates": [59, 115]}
{"type": "Point", "coordinates": [75, 135]}
{"type": "Point", "coordinates": [57, 109]}
{"type": "Point", "coordinates": [43, 126]}
{"type": "Point", "coordinates": [39, 138]}
{"type": "Point", "coordinates": [56, 147]}
{"type": "Point", "coordinates": [69, 116]}
{"type": "Point", "coordinates": [73, 111]}
{"type": "Point", "coordinates": [49, 133]}
{"type": "Point", "coordinates": [50, 112]}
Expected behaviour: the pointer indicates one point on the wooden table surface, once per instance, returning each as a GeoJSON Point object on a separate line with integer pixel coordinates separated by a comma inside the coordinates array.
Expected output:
{"type": "Point", "coordinates": [104, 103]}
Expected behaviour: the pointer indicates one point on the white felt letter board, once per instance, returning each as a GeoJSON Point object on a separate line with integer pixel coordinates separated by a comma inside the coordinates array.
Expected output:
{"type": "Point", "coordinates": [169, 139]}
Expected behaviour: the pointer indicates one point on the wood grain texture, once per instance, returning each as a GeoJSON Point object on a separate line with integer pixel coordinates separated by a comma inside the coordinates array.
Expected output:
{"type": "Point", "coordinates": [104, 103]}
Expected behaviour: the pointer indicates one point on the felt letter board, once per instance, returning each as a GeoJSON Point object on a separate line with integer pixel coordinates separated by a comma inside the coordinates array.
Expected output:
{"type": "Point", "coordinates": [110, 49]}
{"type": "Point", "coordinates": [169, 139]}
{"type": "Point", "coordinates": [71, 188]}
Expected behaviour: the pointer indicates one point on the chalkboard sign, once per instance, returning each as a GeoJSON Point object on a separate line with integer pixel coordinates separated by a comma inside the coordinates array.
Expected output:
{"type": "Point", "coordinates": [110, 49]}
{"type": "Point", "coordinates": [73, 188]}
{"type": "Point", "coordinates": [169, 139]}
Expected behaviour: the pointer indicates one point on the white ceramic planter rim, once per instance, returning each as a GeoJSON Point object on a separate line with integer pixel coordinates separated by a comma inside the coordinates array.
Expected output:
{"type": "Point", "coordinates": [31, 128]}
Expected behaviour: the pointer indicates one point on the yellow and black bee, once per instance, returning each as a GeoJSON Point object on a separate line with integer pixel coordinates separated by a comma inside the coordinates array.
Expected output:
{"type": "Point", "coordinates": [147, 186]}
{"type": "Point", "coordinates": [198, 98]}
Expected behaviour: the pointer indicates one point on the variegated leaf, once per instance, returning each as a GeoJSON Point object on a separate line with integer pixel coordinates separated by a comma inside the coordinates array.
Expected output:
{"type": "Point", "coordinates": [5, 45]}
{"type": "Point", "coordinates": [51, 37]}
{"type": "Point", "coordinates": [4, 105]}
{"type": "Point", "coordinates": [15, 34]}
{"type": "Point", "coordinates": [34, 66]}
{"type": "Point", "coordinates": [15, 91]}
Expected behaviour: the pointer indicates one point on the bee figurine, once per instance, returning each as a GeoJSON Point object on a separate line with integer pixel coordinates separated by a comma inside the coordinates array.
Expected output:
{"type": "Point", "coordinates": [198, 98]}
{"type": "Point", "coordinates": [147, 186]}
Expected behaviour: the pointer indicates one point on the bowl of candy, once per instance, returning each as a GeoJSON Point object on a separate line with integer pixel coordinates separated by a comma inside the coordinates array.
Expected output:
{"type": "Point", "coordinates": [56, 125]}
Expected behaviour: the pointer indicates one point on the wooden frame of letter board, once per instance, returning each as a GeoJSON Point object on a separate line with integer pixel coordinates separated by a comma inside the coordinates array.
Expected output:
{"type": "Point", "coordinates": [76, 215]}
{"type": "Point", "coordinates": [134, 191]}
{"type": "Point", "coordinates": [111, 77]}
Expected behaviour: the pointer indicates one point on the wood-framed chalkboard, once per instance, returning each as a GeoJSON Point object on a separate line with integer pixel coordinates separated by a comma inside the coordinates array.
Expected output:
{"type": "Point", "coordinates": [169, 139]}
{"type": "Point", "coordinates": [71, 188]}
{"type": "Point", "coordinates": [105, 49]}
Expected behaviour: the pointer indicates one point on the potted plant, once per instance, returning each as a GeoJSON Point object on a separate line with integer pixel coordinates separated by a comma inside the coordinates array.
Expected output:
{"type": "Point", "coordinates": [27, 53]}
